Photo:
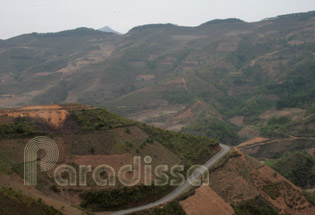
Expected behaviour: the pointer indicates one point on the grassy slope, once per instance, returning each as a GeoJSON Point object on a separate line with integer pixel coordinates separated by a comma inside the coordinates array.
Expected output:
{"type": "Point", "coordinates": [297, 167]}
{"type": "Point", "coordinates": [15, 203]}
{"type": "Point", "coordinates": [233, 66]}
{"type": "Point", "coordinates": [100, 132]}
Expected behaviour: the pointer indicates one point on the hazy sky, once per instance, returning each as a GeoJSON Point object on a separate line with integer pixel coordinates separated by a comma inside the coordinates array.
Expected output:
{"type": "Point", "coordinates": [25, 16]}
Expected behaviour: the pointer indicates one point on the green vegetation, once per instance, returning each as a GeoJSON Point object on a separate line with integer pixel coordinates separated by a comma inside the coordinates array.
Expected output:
{"type": "Point", "coordinates": [270, 162]}
{"type": "Point", "coordinates": [257, 206]}
{"type": "Point", "coordinates": [246, 51]}
{"type": "Point", "coordinates": [310, 196]}
{"type": "Point", "coordinates": [178, 96]}
{"type": "Point", "coordinates": [281, 120]}
{"type": "Point", "coordinates": [100, 119]}
{"type": "Point", "coordinates": [20, 127]}
{"type": "Point", "coordinates": [92, 150]}
{"type": "Point", "coordinates": [215, 128]}
{"type": "Point", "coordinates": [276, 127]}
{"type": "Point", "coordinates": [299, 87]}
{"type": "Point", "coordinates": [75, 32]}
{"type": "Point", "coordinates": [230, 77]}
{"type": "Point", "coordinates": [5, 164]}
{"type": "Point", "coordinates": [251, 107]}
{"type": "Point", "coordinates": [128, 130]}
{"type": "Point", "coordinates": [272, 190]}
{"type": "Point", "coordinates": [53, 95]}
{"type": "Point", "coordinates": [297, 167]}
{"type": "Point", "coordinates": [16, 203]}
{"type": "Point", "coordinates": [310, 111]}
{"type": "Point", "coordinates": [189, 148]}
{"type": "Point", "coordinates": [118, 198]}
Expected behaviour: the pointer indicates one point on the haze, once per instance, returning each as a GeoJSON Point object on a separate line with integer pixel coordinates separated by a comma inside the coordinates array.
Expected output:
{"type": "Point", "coordinates": [20, 16]}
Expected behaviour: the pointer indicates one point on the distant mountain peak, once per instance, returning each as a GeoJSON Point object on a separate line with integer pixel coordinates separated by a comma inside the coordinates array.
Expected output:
{"type": "Point", "coordinates": [108, 30]}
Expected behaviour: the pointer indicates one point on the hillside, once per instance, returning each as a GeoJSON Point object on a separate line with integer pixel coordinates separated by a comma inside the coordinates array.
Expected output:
{"type": "Point", "coordinates": [241, 185]}
{"type": "Point", "coordinates": [171, 76]}
{"type": "Point", "coordinates": [96, 136]}
{"type": "Point", "coordinates": [17, 203]}
{"type": "Point", "coordinates": [171, 93]}
{"type": "Point", "coordinates": [93, 136]}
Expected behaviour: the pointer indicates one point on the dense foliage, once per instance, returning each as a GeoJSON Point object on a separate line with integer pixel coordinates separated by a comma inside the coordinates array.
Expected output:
{"type": "Point", "coordinates": [20, 127]}
{"type": "Point", "coordinates": [298, 167]}
{"type": "Point", "coordinates": [298, 89]}
{"type": "Point", "coordinates": [257, 206]}
{"type": "Point", "coordinates": [310, 196]}
{"type": "Point", "coordinates": [178, 96]}
{"type": "Point", "coordinates": [272, 190]}
{"type": "Point", "coordinates": [276, 127]}
{"type": "Point", "coordinates": [100, 119]}
{"type": "Point", "coordinates": [117, 198]}
{"type": "Point", "coordinates": [215, 128]}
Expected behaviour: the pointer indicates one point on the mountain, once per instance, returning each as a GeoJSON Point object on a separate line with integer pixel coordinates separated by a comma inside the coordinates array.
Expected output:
{"type": "Point", "coordinates": [225, 78]}
{"type": "Point", "coordinates": [92, 136]}
{"type": "Point", "coordinates": [249, 85]}
{"type": "Point", "coordinates": [108, 30]}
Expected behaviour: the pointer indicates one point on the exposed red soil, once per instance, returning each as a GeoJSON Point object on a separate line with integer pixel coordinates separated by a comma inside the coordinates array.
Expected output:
{"type": "Point", "coordinates": [248, 133]}
{"type": "Point", "coordinates": [253, 141]}
{"type": "Point", "coordinates": [114, 161]}
{"type": "Point", "coordinates": [187, 113]}
{"type": "Point", "coordinates": [291, 200]}
{"type": "Point", "coordinates": [237, 120]}
{"type": "Point", "coordinates": [206, 202]}
{"type": "Point", "coordinates": [242, 178]}
{"type": "Point", "coordinates": [54, 115]}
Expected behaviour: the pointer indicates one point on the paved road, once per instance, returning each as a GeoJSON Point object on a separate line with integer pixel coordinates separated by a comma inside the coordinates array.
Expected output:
{"type": "Point", "coordinates": [180, 189]}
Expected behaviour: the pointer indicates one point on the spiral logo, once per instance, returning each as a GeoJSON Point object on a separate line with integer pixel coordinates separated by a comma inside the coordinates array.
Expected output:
{"type": "Point", "coordinates": [30, 158]}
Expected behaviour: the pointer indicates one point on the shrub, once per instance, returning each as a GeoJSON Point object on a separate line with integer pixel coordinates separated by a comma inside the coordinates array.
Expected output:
{"type": "Point", "coordinates": [92, 150]}
{"type": "Point", "coordinates": [128, 130]}
{"type": "Point", "coordinates": [272, 191]}
{"type": "Point", "coordinates": [116, 198]}
{"type": "Point", "coordinates": [297, 167]}
{"type": "Point", "coordinates": [257, 206]}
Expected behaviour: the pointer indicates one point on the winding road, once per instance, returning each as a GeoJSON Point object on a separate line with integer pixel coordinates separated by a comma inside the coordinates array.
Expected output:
{"type": "Point", "coordinates": [180, 189]}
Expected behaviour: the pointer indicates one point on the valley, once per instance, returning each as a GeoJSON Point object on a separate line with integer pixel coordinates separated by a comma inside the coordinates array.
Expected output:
{"type": "Point", "coordinates": [236, 97]}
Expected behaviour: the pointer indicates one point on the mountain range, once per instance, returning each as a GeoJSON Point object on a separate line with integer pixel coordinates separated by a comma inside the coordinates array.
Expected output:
{"type": "Point", "coordinates": [173, 93]}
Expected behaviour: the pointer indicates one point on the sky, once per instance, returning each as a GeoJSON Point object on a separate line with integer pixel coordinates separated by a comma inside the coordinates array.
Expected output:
{"type": "Point", "coordinates": [27, 16]}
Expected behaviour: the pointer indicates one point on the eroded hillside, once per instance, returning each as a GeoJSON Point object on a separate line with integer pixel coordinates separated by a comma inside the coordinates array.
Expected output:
{"type": "Point", "coordinates": [169, 75]}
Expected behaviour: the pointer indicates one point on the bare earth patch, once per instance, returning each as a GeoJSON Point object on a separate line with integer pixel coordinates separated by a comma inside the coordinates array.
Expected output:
{"type": "Point", "coordinates": [253, 141]}
{"type": "Point", "coordinates": [248, 133]}
{"type": "Point", "coordinates": [295, 113]}
{"type": "Point", "coordinates": [237, 120]}
{"type": "Point", "coordinates": [291, 200]}
{"type": "Point", "coordinates": [206, 202]}
{"type": "Point", "coordinates": [54, 115]}
{"type": "Point", "coordinates": [114, 161]}
{"type": "Point", "coordinates": [242, 178]}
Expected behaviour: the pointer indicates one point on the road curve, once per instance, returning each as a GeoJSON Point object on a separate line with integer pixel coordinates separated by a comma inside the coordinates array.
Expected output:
{"type": "Point", "coordinates": [180, 189]}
